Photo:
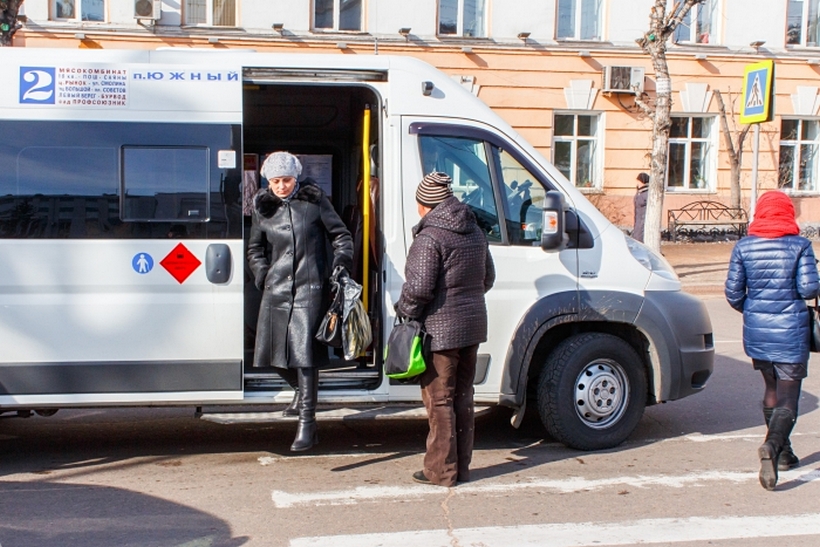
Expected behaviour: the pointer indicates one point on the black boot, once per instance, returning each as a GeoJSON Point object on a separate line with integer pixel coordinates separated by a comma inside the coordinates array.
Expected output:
{"type": "Point", "coordinates": [307, 433]}
{"type": "Point", "coordinates": [289, 375]}
{"type": "Point", "coordinates": [293, 408]}
{"type": "Point", "coordinates": [780, 426]}
{"type": "Point", "coordinates": [788, 459]}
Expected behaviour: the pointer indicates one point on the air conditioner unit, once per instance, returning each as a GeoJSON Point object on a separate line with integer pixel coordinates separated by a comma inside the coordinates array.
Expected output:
{"type": "Point", "coordinates": [623, 79]}
{"type": "Point", "coordinates": [147, 9]}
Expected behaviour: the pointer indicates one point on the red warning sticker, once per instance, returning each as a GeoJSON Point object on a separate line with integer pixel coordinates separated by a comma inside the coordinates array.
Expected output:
{"type": "Point", "coordinates": [180, 263]}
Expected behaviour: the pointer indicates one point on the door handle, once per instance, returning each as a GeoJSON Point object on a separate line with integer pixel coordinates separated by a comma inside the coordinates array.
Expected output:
{"type": "Point", "coordinates": [218, 263]}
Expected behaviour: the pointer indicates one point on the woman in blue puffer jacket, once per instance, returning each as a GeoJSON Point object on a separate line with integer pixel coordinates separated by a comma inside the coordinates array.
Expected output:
{"type": "Point", "coordinates": [771, 274]}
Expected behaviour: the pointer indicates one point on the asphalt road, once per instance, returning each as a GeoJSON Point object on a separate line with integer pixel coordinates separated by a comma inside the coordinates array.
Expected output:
{"type": "Point", "coordinates": [160, 477]}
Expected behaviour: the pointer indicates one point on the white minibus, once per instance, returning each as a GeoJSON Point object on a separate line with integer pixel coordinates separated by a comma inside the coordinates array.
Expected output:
{"type": "Point", "coordinates": [125, 179]}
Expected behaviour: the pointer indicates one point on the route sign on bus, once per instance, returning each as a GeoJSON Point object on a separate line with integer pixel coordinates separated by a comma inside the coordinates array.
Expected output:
{"type": "Point", "coordinates": [758, 84]}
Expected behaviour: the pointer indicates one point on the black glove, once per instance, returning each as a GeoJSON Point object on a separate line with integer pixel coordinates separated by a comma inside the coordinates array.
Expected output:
{"type": "Point", "coordinates": [339, 273]}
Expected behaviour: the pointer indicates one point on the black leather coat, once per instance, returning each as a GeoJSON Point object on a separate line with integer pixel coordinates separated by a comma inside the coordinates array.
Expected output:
{"type": "Point", "coordinates": [288, 255]}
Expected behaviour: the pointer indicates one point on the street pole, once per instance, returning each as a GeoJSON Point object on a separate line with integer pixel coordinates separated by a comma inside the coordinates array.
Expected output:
{"type": "Point", "coordinates": [755, 150]}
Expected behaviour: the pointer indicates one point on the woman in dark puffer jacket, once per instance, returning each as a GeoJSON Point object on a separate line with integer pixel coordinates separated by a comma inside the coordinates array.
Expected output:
{"type": "Point", "coordinates": [771, 274]}
{"type": "Point", "coordinates": [448, 270]}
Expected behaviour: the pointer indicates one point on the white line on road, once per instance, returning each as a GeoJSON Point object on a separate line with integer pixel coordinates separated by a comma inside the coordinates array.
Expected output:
{"type": "Point", "coordinates": [587, 534]}
{"type": "Point", "coordinates": [372, 494]}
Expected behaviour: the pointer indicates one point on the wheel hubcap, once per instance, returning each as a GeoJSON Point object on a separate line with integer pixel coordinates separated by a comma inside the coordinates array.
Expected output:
{"type": "Point", "coordinates": [601, 393]}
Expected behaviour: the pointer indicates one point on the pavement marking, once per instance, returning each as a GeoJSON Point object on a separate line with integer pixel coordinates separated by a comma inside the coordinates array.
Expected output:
{"type": "Point", "coordinates": [270, 460]}
{"type": "Point", "coordinates": [587, 534]}
{"type": "Point", "coordinates": [380, 494]}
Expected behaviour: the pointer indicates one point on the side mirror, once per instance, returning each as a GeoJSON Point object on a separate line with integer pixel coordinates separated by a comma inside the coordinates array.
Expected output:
{"type": "Point", "coordinates": [553, 232]}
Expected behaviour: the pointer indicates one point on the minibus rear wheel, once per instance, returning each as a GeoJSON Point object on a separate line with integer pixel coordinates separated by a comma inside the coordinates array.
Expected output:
{"type": "Point", "coordinates": [592, 391]}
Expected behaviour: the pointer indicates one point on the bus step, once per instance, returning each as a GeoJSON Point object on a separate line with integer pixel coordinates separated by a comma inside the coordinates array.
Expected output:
{"type": "Point", "coordinates": [330, 413]}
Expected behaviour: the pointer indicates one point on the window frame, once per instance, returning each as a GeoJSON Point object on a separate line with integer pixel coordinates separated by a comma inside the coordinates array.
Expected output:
{"type": "Point", "coordinates": [490, 140]}
{"type": "Point", "coordinates": [209, 15]}
{"type": "Point", "coordinates": [125, 196]}
{"type": "Point", "coordinates": [694, 15]}
{"type": "Point", "coordinates": [578, 22]}
{"type": "Point", "coordinates": [805, 24]}
{"type": "Point", "coordinates": [78, 10]}
{"type": "Point", "coordinates": [595, 166]}
{"type": "Point", "coordinates": [460, 14]}
{"type": "Point", "coordinates": [797, 146]}
{"type": "Point", "coordinates": [337, 11]}
{"type": "Point", "coordinates": [710, 168]}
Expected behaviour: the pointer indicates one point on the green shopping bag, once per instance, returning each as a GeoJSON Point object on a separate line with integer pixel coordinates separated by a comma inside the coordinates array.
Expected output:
{"type": "Point", "coordinates": [404, 354]}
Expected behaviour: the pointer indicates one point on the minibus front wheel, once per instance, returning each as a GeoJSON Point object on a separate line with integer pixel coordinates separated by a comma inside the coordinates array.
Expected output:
{"type": "Point", "coordinates": [592, 391]}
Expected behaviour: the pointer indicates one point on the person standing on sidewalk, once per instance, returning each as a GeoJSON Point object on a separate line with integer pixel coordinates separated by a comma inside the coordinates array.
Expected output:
{"type": "Point", "coordinates": [772, 272]}
{"type": "Point", "coordinates": [639, 204]}
{"type": "Point", "coordinates": [449, 269]}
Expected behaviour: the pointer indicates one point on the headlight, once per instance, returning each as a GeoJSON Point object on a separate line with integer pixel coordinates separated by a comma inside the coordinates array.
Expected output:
{"type": "Point", "coordinates": [650, 260]}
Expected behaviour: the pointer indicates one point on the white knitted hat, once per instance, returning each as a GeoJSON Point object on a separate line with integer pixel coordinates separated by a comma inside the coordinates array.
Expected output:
{"type": "Point", "coordinates": [281, 164]}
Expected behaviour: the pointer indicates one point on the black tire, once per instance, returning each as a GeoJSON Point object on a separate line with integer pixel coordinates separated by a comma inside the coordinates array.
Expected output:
{"type": "Point", "coordinates": [46, 412]}
{"type": "Point", "coordinates": [592, 391]}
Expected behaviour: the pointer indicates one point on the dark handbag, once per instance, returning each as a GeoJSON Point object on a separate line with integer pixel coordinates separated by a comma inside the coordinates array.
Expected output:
{"type": "Point", "coordinates": [330, 330]}
{"type": "Point", "coordinates": [814, 327]}
{"type": "Point", "coordinates": [404, 354]}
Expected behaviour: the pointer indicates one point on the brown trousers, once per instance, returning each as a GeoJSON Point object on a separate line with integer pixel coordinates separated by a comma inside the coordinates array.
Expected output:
{"type": "Point", "coordinates": [447, 392]}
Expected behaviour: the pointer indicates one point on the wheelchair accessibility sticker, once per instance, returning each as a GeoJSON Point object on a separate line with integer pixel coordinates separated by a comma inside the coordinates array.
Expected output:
{"type": "Point", "coordinates": [142, 263]}
{"type": "Point", "coordinates": [37, 85]}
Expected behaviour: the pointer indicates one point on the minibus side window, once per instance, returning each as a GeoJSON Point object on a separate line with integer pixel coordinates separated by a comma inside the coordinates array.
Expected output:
{"type": "Point", "coordinates": [165, 183]}
{"type": "Point", "coordinates": [524, 200]}
{"type": "Point", "coordinates": [465, 160]}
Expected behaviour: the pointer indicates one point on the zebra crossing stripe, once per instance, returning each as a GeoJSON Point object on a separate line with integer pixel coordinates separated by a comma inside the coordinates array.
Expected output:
{"type": "Point", "coordinates": [587, 534]}
{"type": "Point", "coordinates": [371, 494]}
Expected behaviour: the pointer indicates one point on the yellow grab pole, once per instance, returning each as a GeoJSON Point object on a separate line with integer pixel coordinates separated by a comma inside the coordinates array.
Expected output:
{"type": "Point", "coordinates": [366, 208]}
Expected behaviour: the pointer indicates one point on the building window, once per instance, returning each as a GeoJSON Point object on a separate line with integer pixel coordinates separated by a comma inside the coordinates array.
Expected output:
{"type": "Point", "coordinates": [700, 24]}
{"type": "Point", "coordinates": [337, 14]}
{"type": "Point", "coordinates": [575, 148]}
{"type": "Point", "coordinates": [799, 141]}
{"type": "Point", "coordinates": [462, 18]}
{"type": "Point", "coordinates": [83, 10]}
{"type": "Point", "coordinates": [689, 165]}
{"type": "Point", "coordinates": [802, 28]}
{"type": "Point", "coordinates": [212, 13]}
{"type": "Point", "coordinates": [579, 20]}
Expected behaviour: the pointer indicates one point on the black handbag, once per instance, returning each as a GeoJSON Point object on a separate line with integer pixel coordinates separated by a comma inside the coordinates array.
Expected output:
{"type": "Point", "coordinates": [330, 330]}
{"type": "Point", "coordinates": [404, 357]}
{"type": "Point", "coordinates": [814, 327]}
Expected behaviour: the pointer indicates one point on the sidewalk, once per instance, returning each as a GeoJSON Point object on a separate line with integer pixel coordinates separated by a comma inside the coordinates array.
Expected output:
{"type": "Point", "coordinates": [701, 267]}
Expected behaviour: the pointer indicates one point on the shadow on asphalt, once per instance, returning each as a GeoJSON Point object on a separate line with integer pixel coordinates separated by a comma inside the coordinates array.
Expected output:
{"type": "Point", "coordinates": [47, 514]}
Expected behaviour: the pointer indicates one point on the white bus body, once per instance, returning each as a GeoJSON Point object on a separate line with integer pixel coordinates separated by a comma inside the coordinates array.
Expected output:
{"type": "Point", "coordinates": [122, 219]}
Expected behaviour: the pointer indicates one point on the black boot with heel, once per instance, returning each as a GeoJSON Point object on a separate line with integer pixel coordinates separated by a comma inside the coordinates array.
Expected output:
{"type": "Point", "coordinates": [307, 433]}
{"type": "Point", "coordinates": [780, 427]}
{"type": "Point", "coordinates": [290, 376]}
{"type": "Point", "coordinates": [788, 459]}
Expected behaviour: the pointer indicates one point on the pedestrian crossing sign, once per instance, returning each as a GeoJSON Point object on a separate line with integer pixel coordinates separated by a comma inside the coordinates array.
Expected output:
{"type": "Point", "coordinates": [758, 83]}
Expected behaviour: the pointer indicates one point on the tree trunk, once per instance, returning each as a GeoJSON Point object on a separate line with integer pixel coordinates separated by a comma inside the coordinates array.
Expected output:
{"type": "Point", "coordinates": [660, 145]}
{"type": "Point", "coordinates": [735, 151]}
{"type": "Point", "coordinates": [8, 21]}
{"type": "Point", "coordinates": [661, 28]}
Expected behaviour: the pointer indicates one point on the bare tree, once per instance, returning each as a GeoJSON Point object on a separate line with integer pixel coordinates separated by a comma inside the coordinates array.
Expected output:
{"type": "Point", "coordinates": [8, 20]}
{"type": "Point", "coordinates": [662, 25]}
{"type": "Point", "coordinates": [735, 149]}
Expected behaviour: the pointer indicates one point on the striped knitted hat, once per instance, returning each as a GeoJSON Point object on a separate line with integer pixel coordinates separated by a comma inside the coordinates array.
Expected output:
{"type": "Point", "coordinates": [434, 188]}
